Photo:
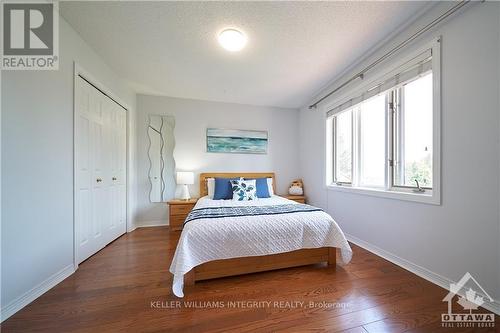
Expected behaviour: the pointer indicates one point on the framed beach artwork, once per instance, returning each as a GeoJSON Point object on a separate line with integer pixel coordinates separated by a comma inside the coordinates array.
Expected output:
{"type": "Point", "coordinates": [236, 141]}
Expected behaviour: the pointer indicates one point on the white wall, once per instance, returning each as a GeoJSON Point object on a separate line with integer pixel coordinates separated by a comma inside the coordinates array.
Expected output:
{"type": "Point", "coordinates": [462, 234]}
{"type": "Point", "coordinates": [192, 118]}
{"type": "Point", "coordinates": [37, 169]}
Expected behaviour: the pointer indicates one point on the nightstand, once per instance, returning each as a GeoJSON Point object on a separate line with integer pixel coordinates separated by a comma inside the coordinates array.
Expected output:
{"type": "Point", "coordinates": [178, 211]}
{"type": "Point", "coordinates": [296, 198]}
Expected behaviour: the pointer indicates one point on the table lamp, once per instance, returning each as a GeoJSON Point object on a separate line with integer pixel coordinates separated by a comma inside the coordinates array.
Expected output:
{"type": "Point", "coordinates": [185, 179]}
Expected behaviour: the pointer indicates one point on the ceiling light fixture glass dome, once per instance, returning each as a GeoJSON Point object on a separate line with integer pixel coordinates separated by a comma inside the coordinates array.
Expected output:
{"type": "Point", "coordinates": [232, 40]}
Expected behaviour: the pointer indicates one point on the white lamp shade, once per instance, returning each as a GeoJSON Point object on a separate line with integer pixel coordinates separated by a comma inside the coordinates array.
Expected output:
{"type": "Point", "coordinates": [185, 178]}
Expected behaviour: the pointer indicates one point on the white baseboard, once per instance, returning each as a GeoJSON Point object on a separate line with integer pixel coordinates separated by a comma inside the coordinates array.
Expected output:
{"type": "Point", "coordinates": [418, 270]}
{"type": "Point", "coordinates": [35, 292]}
{"type": "Point", "coordinates": [152, 223]}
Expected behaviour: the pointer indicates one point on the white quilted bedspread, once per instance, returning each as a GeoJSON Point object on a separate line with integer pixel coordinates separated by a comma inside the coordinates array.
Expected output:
{"type": "Point", "coordinates": [206, 240]}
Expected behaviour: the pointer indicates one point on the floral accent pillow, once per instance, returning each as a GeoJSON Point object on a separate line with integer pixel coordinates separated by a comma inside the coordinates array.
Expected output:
{"type": "Point", "coordinates": [243, 190]}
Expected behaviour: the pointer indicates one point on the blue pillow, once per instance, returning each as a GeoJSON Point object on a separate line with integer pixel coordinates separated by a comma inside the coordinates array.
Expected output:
{"type": "Point", "coordinates": [262, 189]}
{"type": "Point", "coordinates": [223, 189]}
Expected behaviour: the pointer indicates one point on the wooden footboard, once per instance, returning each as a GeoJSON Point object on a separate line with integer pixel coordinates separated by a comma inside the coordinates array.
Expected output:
{"type": "Point", "coordinates": [246, 265]}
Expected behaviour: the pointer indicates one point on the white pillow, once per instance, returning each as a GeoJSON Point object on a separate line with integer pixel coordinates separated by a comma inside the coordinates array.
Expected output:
{"type": "Point", "coordinates": [211, 187]}
{"type": "Point", "coordinates": [270, 186]}
{"type": "Point", "coordinates": [244, 190]}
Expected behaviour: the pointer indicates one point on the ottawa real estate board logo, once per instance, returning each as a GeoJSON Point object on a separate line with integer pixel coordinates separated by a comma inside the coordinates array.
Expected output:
{"type": "Point", "coordinates": [464, 301]}
{"type": "Point", "coordinates": [30, 36]}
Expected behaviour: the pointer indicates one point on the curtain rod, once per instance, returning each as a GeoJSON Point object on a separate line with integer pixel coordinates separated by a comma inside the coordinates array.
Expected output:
{"type": "Point", "coordinates": [361, 74]}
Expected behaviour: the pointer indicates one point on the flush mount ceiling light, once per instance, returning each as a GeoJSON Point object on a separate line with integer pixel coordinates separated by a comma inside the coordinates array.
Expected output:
{"type": "Point", "coordinates": [232, 40]}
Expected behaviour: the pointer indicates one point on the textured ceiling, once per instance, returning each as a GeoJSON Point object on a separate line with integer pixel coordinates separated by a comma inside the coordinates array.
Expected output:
{"type": "Point", "coordinates": [294, 48]}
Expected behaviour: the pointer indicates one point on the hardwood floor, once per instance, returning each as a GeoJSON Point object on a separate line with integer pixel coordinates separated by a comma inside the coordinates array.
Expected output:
{"type": "Point", "coordinates": [126, 287]}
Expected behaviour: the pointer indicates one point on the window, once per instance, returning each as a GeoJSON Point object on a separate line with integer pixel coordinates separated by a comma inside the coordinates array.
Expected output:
{"type": "Point", "coordinates": [413, 139]}
{"type": "Point", "coordinates": [383, 139]}
{"type": "Point", "coordinates": [343, 147]}
{"type": "Point", "coordinates": [372, 142]}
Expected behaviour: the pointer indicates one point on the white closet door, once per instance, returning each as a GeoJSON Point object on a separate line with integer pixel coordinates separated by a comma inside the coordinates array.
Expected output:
{"type": "Point", "coordinates": [89, 170]}
{"type": "Point", "coordinates": [109, 224]}
{"type": "Point", "coordinates": [100, 193]}
{"type": "Point", "coordinates": [121, 172]}
{"type": "Point", "coordinates": [117, 186]}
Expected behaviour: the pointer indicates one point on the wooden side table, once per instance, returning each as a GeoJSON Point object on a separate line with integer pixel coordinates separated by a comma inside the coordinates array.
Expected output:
{"type": "Point", "coordinates": [296, 198]}
{"type": "Point", "coordinates": [178, 211]}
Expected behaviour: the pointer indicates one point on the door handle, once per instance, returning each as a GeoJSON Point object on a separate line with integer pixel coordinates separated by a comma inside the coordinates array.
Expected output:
{"type": "Point", "coordinates": [98, 180]}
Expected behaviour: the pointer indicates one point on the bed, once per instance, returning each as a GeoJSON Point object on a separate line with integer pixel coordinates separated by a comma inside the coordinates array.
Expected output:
{"type": "Point", "coordinates": [225, 238]}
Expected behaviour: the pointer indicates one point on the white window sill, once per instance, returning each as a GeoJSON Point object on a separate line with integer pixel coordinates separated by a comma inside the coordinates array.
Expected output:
{"type": "Point", "coordinates": [428, 197]}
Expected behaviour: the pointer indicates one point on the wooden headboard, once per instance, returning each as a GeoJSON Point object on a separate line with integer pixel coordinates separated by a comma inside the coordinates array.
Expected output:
{"type": "Point", "coordinates": [204, 176]}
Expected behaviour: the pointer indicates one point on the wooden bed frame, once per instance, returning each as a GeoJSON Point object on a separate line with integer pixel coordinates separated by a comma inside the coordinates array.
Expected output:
{"type": "Point", "coordinates": [245, 265]}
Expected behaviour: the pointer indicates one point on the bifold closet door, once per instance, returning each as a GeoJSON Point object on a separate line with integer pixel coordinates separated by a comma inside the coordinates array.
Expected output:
{"type": "Point", "coordinates": [117, 149]}
{"type": "Point", "coordinates": [100, 170]}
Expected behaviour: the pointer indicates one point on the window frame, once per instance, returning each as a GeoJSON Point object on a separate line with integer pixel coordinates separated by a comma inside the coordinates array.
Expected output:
{"type": "Point", "coordinates": [390, 190]}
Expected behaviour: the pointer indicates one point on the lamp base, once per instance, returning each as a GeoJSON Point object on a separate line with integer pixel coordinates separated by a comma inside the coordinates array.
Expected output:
{"type": "Point", "coordinates": [185, 193]}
